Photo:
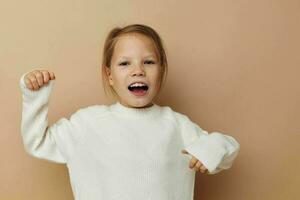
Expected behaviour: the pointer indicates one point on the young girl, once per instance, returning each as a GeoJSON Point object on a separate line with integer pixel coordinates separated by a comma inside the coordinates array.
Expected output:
{"type": "Point", "coordinates": [133, 149]}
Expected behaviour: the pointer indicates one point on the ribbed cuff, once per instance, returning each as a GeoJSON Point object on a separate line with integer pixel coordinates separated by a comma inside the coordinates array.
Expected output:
{"type": "Point", "coordinates": [208, 151]}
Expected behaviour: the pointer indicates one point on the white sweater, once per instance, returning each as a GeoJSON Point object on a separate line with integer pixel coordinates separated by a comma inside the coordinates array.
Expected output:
{"type": "Point", "coordinates": [115, 152]}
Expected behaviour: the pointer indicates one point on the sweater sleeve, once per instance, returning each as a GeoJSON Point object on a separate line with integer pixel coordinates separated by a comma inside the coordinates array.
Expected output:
{"type": "Point", "coordinates": [216, 151]}
{"type": "Point", "coordinates": [41, 140]}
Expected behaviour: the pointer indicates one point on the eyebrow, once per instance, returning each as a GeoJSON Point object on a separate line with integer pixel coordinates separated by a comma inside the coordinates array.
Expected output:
{"type": "Point", "coordinates": [151, 55]}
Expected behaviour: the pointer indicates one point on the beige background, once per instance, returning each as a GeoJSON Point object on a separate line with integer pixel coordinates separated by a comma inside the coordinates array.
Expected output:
{"type": "Point", "coordinates": [233, 68]}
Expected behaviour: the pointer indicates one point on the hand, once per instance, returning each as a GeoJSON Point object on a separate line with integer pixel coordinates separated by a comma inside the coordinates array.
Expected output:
{"type": "Point", "coordinates": [37, 78]}
{"type": "Point", "coordinates": [195, 163]}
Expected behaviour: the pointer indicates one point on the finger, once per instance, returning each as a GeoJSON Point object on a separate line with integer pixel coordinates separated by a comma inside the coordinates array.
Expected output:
{"type": "Point", "coordinates": [203, 169]}
{"type": "Point", "coordinates": [193, 162]}
{"type": "Point", "coordinates": [28, 83]}
{"type": "Point", "coordinates": [52, 76]}
{"type": "Point", "coordinates": [184, 151]}
{"type": "Point", "coordinates": [46, 76]}
{"type": "Point", "coordinates": [34, 82]}
{"type": "Point", "coordinates": [39, 76]}
{"type": "Point", "coordinates": [197, 166]}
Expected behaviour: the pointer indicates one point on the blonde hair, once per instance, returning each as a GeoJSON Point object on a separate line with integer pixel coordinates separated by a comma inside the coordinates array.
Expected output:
{"type": "Point", "coordinates": [109, 46]}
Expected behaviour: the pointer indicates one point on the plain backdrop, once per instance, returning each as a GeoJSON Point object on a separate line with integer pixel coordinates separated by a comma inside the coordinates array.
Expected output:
{"type": "Point", "coordinates": [233, 68]}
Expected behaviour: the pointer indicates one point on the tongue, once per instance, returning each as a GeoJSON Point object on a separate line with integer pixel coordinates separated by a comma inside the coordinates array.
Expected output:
{"type": "Point", "coordinates": [138, 91]}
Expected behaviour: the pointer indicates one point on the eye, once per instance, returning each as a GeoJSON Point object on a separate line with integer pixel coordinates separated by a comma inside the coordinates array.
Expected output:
{"type": "Point", "coordinates": [149, 62]}
{"type": "Point", "coordinates": [123, 63]}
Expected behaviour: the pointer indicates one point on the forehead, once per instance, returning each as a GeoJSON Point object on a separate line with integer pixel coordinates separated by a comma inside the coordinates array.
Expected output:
{"type": "Point", "coordinates": [134, 43]}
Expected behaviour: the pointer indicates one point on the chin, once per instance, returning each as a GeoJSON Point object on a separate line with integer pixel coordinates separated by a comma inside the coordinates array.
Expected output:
{"type": "Point", "coordinates": [138, 104]}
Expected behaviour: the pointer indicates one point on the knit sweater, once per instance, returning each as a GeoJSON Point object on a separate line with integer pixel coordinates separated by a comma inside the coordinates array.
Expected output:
{"type": "Point", "coordinates": [114, 152]}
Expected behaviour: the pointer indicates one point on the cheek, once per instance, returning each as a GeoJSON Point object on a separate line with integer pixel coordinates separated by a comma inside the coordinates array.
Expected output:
{"type": "Point", "coordinates": [119, 79]}
{"type": "Point", "coordinates": [156, 76]}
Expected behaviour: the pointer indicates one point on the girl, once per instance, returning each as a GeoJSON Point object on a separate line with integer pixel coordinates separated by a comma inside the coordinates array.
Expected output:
{"type": "Point", "coordinates": [133, 149]}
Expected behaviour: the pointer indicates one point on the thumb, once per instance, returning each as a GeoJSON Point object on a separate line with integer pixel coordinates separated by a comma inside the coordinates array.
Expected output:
{"type": "Point", "coordinates": [184, 151]}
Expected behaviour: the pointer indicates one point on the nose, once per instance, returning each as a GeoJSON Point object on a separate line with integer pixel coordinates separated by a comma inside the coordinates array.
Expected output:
{"type": "Point", "coordinates": [138, 71]}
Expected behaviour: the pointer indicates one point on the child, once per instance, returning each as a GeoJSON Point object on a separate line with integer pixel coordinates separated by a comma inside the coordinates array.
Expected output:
{"type": "Point", "coordinates": [133, 149]}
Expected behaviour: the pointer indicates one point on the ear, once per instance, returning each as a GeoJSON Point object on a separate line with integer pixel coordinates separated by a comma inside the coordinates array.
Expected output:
{"type": "Point", "coordinates": [108, 73]}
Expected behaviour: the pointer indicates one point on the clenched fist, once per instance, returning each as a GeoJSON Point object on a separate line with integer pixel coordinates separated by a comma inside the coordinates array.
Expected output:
{"type": "Point", "coordinates": [195, 163]}
{"type": "Point", "coordinates": [37, 78]}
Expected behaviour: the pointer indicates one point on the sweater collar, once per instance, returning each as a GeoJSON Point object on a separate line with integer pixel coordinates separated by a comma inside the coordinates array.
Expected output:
{"type": "Point", "coordinates": [135, 112]}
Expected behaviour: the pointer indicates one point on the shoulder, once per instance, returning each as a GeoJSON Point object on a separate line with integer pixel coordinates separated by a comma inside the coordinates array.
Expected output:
{"type": "Point", "coordinates": [174, 115]}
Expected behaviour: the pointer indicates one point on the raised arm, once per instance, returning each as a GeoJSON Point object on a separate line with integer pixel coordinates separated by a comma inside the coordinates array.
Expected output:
{"type": "Point", "coordinates": [216, 150]}
{"type": "Point", "coordinates": [41, 140]}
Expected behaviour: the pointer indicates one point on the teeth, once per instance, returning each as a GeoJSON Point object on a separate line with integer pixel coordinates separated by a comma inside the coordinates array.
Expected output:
{"type": "Point", "coordinates": [137, 84]}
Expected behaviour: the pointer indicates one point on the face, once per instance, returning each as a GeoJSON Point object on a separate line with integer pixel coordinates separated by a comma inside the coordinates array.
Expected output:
{"type": "Point", "coordinates": [134, 60]}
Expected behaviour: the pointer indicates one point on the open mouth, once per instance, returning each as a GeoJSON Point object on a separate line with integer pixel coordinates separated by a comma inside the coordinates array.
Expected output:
{"type": "Point", "coordinates": [138, 89]}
